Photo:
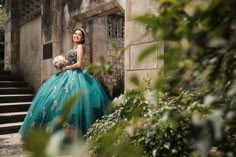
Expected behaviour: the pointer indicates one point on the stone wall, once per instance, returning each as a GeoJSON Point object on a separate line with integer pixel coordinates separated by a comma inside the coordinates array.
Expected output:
{"type": "Point", "coordinates": [90, 9]}
{"type": "Point", "coordinates": [11, 55]}
{"type": "Point", "coordinates": [22, 44]}
{"type": "Point", "coordinates": [28, 10]}
{"type": "Point", "coordinates": [41, 30]}
{"type": "Point", "coordinates": [30, 44]}
{"type": "Point", "coordinates": [59, 18]}
{"type": "Point", "coordinates": [17, 13]}
{"type": "Point", "coordinates": [51, 36]}
{"type": "Point", "coordinates": [103, 42]}
{"type": "Point", "coordinates": [136, 39]}
{"type": "Point", "coordinates": [31, 52]}
{"type": "Point", "coordinates": [115, 82]}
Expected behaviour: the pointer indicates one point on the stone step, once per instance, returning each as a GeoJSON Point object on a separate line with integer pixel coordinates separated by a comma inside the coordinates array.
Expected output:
{"type": "Point", "coordinates": [10, 128]}
{"type": "Point", "coordinates": [12, 117]}
{"type": "Point", "coordinates": [10, 78]}
{"type": "Point", "coordinates": [14, 107]}
{"type": "Point", "coordinates": [13, 84]}
{"type": "Point", "coordinates": [15, 90]}
{"type": "Point", "coordinates": [16, 98]}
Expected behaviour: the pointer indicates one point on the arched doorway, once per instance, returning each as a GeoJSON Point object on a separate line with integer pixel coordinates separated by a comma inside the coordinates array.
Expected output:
{"type": "Point", "coordinates": [104, 24]}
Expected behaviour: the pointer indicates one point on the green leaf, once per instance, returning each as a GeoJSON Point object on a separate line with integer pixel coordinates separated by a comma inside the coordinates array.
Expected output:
{"type": "Point", "coordinates": [169, 1]}
{"type": "Point", "coordinates": [93, 68]}
{"type": "Point", "coordinates": [102, 59]}
{"type": "Point", "coordinates": [135, 80]}
{"type": "Point", "coordinates": [115, 46]}
{"type": "Point", "coordinates": [36, 142]}
{"type": "Point", "coordinates": [126, 148]}
{"type": "Point", "coordinates": [145, 19]}
{"type": "Point", "coordinates": [68, 106]}
{"type": "Point", "coordinates": [134, 92]}
{"type": "Point", "coordinates": [147, 52]}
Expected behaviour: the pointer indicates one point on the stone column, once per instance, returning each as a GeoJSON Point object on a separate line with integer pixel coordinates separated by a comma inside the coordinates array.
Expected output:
{"type": "Point", "coordinates": [57, 27]}
{"type": "Point", "coordinates": [136, 39]}
{"type": "Point", "coordinates": [11, 52]}
{"type": "Point", "coordinates": [51, 35]}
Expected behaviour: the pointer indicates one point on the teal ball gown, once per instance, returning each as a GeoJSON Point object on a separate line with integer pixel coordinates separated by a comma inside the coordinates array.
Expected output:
{"type": "Point", "coordinates": [48, 101]}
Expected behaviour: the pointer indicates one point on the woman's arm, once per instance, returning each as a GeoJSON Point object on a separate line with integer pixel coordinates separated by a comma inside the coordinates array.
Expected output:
{"type": "Point", "coordinates": [80, 56]}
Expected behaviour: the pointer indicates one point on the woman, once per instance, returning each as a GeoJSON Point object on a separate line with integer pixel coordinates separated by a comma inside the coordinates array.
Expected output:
{"type": "Point", "coordinates": [49, 100]}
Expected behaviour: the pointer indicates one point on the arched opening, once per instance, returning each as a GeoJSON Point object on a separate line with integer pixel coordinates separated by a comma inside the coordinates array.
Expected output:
{"type": "Point", "coordinates": [104, 24]}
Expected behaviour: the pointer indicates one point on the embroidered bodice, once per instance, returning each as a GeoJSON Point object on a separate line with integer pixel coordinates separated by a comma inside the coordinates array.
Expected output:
{"type": "Point", "coordinates": [71, 57]}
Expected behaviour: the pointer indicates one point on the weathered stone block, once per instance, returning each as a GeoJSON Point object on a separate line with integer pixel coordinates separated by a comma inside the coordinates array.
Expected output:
{"type": "Point", "coordinates": [136, 33]}
{"type": "Point", "coordinates": [136, 8]}
{"type": "Point", "coordinates": [47, 70]}
{"type": "Point", "coordinates": [147, 63]}
{"type": "Point", "coordinates": [30, 52]}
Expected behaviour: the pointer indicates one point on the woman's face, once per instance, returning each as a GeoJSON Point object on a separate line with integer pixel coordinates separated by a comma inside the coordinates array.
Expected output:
{"type": "Point", "coordinates": [78, 36]}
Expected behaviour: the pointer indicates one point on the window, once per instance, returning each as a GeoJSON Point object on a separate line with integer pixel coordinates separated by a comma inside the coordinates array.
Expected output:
{"type": "Point", "coordinates": [115, 24]}
{"type": "Point", "coordinates": [47, 51]}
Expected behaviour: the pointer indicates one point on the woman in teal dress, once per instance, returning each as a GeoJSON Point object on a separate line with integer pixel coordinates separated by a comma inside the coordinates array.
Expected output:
{"type": "Point", "coordinates": [48, 102]}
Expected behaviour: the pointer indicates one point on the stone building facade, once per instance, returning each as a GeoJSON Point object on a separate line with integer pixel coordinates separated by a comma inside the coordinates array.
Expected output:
{"type": "Point", "coordinates": [36, 31]}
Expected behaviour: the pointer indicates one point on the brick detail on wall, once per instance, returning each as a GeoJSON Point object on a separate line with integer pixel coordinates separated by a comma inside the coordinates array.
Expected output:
{"type": "Point", "coordinates": [114, 83]}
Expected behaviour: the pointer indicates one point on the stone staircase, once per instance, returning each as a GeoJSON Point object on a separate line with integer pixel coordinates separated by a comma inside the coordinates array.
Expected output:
{"type": "Point", "coordinates": [15, 98]}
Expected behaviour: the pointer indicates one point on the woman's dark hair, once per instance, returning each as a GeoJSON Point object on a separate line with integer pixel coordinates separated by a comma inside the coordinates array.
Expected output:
{"type": "Point", "coordinates": [83, 33]}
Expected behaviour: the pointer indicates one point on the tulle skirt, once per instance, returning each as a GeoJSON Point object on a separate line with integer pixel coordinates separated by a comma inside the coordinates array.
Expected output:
{"type": "Point", "coordinates": [50, 98]}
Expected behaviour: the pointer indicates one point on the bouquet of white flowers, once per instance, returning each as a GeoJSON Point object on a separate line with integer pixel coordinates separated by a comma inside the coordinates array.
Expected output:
{"type": "Point", "coordinates": [59, 62]}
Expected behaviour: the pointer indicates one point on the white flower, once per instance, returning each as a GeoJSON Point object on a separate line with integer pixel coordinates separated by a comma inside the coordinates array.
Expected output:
{"type": "Point", "coordinates": [59, 62]}
{"type": "Point", "coordinates": [154, 153]}
{"type": "Point", "coordinates": [209, 99]}
{"type": "Point", "coordinates": [53, 147]}
{"type": "Point", "coordinates": [118, 100]}
{"type": "Point", "coordinates": [151, 96]}
{"type": "Point", "coordinates": [130, 130]}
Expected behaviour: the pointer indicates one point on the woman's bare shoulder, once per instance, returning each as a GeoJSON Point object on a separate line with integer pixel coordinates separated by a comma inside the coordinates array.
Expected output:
{"type": "Point", "coordinates": [80, 46]}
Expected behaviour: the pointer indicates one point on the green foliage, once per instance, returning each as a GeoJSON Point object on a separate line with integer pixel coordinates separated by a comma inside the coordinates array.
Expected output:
{"type": "Point", "coordinates": [2, 11]}
{"type": "Point", "coordinates": [157, 123]}
{"type": "Point", "coordinates": [36, 143]}
{"type": "Point", "coordinates": [115, 143]}
{"type": "Point", "coordinates": [200, 43]}
{"type": "Point", "coordinates": [146, 52]}
{"type": "Point", "coordinates": [191, 110]}
{"type": "Point", "coordinates": [195, 115]}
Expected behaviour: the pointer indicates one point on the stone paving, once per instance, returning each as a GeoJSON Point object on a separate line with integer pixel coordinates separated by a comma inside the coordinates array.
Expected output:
{"type": "Point", "coordinates": [11, 146]}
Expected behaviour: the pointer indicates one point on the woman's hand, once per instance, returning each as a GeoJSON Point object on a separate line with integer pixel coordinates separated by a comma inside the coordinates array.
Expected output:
{"type": "Point", "coordinates": [64, 68]}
